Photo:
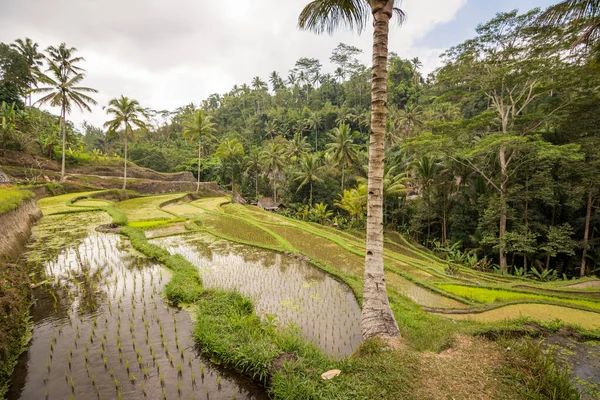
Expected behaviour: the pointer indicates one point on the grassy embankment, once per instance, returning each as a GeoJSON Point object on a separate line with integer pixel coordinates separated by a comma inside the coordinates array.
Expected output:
{"type": "Point", "coordinates": [14, 300]}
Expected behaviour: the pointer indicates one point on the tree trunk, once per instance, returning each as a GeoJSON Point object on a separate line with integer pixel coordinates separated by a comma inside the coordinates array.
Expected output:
{"type": "Point", "coordinates": [199, 157]}
{"type": "Point", "coordinates": [377, 318]}
{"type": "Point", "coordinates": [586, 234]}
{"type": "Point", "coordinates": [310, 196]}
{"type": "Point", "coordinates": [503, 211]}
{"type": "Point", "coordinates": [342, 177]}
{"type": "Point", "coordinates": [125, 165]}
{"type": "Point", "coordinates": [256, 184]}
{"type": "Point", "coordinates": [63, 128]}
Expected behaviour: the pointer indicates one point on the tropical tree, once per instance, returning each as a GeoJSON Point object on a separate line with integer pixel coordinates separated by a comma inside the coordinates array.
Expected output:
{"type": "Point", "coordinates": [273, 161]}
{"type": "Point", "coordinates": [321, 213]}
{"type": "Point", "coordinates": [586, 12]}
{"type": "Point", "coordinates": [377, 318]}
{"type": "Point", "coordinates": [297, 147]}
{"type": "Point", "coordinates": [354, 202]}
{"type": "Point", "coordinates": [253, 165]}
{"type": "Point", "coordinates": [63, 91]}
{"type": "Point", "coordinates": [341, 148]}
{"type": "Point", "coordinates": [65, 58]}
{"type": "Point", "coordinates": [35, 59]}
{"type": "Point", "coordinates": [125, 113]}
{"type": "Point", "coordinates": [230, 150]}
{"type": "Point", "coordinates": [410, 118]}
{"type": "Point", "coordinates": [196, 127]}
{"type": "Point", "coordinates": [308, 174]}
{"type": "Point", "coordinates": [314, 122]}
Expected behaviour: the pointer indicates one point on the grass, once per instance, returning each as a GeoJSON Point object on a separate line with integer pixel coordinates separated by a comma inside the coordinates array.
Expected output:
{"type": "Point", "coordinates": [63, 203]}
{"type": "Point", "coordinates": [491, 295]}
{"type": "Point", "coordinates": [147, 208]}
{"type": "Point", "coordinates": [11, 198]}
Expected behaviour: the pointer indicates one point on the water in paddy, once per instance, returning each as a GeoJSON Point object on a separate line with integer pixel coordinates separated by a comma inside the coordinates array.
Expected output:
{"type": "Point", "coordinates": [292, 290]}
{"type": "Point", "coordinates": [101, 329]}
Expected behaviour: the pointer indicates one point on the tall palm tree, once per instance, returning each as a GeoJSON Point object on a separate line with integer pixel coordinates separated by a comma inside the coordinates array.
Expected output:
{"type": "Point", "coordinates": [341, 149]}
{"type": "Point", "coordinates": [195, 128]}
{"type": "Point", "coordinates": [253, 165]}
{"type": "Point", "coordinates": [273, 161]}
{"type": "Point", "coordinates": [314, 122]}
{"type": "Point", "coordinates": [65, 57]}
{"type": "Point", "coordinates": [230, 150]}
{"type": "Point", "coordinates": [125, 113]}
{"type": "Point", "coordinates": [63, 91]}
{"type": "Point", "coordinates": [308, 174]}
{"type": "Point", "coordinates": [320, 16]}
{"type": "Point", "coordinates": [35, 59]}
{"type": "Point", "coordinates": [271, 128]}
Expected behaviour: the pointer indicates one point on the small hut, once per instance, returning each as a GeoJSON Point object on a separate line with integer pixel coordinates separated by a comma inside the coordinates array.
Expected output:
{"type": "Point", "coordinates": [267, 203]}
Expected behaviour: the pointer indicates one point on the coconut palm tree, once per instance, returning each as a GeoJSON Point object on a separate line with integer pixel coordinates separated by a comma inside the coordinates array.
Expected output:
{"type": "Point", "coordinates": [271, 128]}
{"type": "Point", "coordinates": [253, 165]}
{"type": "Point", "coordinates": [341, 149]}
{"type": "Point", "coordinates": [126, 113]}
{"type": "Point", "coordinates": [196, 127]}
{"type": "Point", "coordinates": [65, 57]}
{"type": "Point", "coordinates": [63, 91]}
{"type": "Point", "coordinates": [35, 60]}
{"type": "Point", "coordinates": [314, 122]}
{"type": "Point", "coordinates": [410, 118]}
{"type": "Point", "coordinates": [230, 150]}
{"type": "Point", "coordinates": [320, 16]}
{"type": "Point", "coordinates": [308, 174]}
{"type": "Point", "coordinates": [586, 11]}
{"type": "Point", "coordinates": [273, 160]}
{"type": "Point", "coordinates": [297, 147]}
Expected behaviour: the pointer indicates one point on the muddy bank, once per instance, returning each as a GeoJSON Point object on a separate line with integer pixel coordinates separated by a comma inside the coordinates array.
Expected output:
{"type": "Point", "coordinates": [15, 229]}
{"type": "Point", "coordinates": [15, 295]}
{"type": "Point", "coordinates": [133, 171]}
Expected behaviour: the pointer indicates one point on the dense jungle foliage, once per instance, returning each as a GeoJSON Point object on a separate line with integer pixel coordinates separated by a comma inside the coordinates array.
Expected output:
{"type": "Point", "coordinates": [492, 156]}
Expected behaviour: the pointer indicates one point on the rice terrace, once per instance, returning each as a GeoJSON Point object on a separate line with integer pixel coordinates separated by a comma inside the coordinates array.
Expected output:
{"type": "Point", "coordinates": [394, 230]}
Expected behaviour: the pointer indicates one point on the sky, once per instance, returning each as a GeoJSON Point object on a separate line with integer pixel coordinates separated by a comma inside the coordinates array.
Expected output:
{"type": "Point", "coordinates": [168, 53]}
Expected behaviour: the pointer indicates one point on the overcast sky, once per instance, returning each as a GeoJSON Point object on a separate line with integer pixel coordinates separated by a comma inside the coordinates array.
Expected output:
{"type": "Point", "coordinates": [167, 53]}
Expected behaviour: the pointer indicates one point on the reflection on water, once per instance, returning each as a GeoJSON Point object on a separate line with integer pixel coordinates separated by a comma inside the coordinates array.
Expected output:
{"type": "Point", "coordinates": [102, 330]}
{"type": "Point", "coordinates": [295, 291]}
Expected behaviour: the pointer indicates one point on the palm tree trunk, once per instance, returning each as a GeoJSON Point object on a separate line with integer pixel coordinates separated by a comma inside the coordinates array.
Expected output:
{"type": "Point", "coordinates": [586, 233]}
{"type": "Point", "coordinates": [125, 166]}
{"type": "Point", "coordinates": [199, 156]}
{"type": "Point", "coordinates": [377, 318]}
{"type": "Point", "coordinates": [256, 184]}
{"type": "Point", "coordinates": [310, 196]}
{"type": "Point", "coordinates": [63, 129]}
{"type": "Point", "coordinates": [342, 177]}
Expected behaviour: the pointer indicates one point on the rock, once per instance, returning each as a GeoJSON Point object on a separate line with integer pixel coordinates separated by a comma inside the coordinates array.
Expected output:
{"type": "Point", "coordinates": [332, 373]}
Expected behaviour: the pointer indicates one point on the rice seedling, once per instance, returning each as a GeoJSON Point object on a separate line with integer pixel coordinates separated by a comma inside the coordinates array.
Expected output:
{"type": "Point", "coordinates": [132, 378]}
{"type": "Point", "coordinates": [179, 369]}
{"type": "Point", "coordinates": [162, 379]}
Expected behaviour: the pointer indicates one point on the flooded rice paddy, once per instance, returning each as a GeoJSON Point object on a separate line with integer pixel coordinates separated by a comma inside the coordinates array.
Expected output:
{"type": "Point", "coordinates": [291, 290]}
{"type": "Point", "coordinates": [101, 328]}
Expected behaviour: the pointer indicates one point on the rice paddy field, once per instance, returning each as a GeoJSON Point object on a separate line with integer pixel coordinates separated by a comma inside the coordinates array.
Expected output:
{"type": "Point", "coordinates": [102, 327]}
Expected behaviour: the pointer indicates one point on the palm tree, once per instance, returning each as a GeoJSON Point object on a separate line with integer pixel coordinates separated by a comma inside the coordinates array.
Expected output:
{"type": "Point", "coordinates": [276, 81]}
{"type": "Point", "coordinates": [587, 11]}
{"type": "Point", "coordinates": [63, 91]}
{"type": "Point", "coordinates": [29, 50]}
{"type": "Point", "coordinates": [410, 118]}
{"type": "Point", "coordinates": [320, 16]}
{"type": "Point", "coordinates": [341, 149]}
{"type": "Point", "coordinates": [125, 113]}
{"type": "Point", "coordinates": [391, 134]}
{"type": "Point", "coordinates": [196, 127]}
{"type": "Point", "coordinates": [321, 213]}
{"type": "Point", "coordinates": [314, 122]}
{"type": "Point", "coordinates": [308, 174]}
{"type": "Point", "coordinates": [273, 161]}
{"type": "Point", "coordinates": [354, 202]}
{"type": "Point", "coordinates": [297, 147]}
{"type": "Point", "coordinates": [65, 58]}
{"type": "Point", "coordinates": [258, 84]}
{"type": "Point", "coordinates": [253, 165]}
{"type": "Point", "coordinates": [271, 128]}
{"type": "Point", "coordinates": [229, 150]}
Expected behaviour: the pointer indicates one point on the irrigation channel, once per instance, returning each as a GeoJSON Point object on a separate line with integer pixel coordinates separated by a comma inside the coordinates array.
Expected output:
{"type": "Point", "coordinates": [101, 328]}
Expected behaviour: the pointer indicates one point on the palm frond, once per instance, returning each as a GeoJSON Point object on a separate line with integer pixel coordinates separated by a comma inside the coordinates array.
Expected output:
{"type": "Point", "coordinates": [327, 15]}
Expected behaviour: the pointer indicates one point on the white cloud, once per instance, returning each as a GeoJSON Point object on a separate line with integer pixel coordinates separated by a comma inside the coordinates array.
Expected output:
{"type": "Point", "coordinates": [167, 53]}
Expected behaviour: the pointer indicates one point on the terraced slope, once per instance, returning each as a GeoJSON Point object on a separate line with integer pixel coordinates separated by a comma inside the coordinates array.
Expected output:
{"type": "Point", "coordinates": [411, 271]}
